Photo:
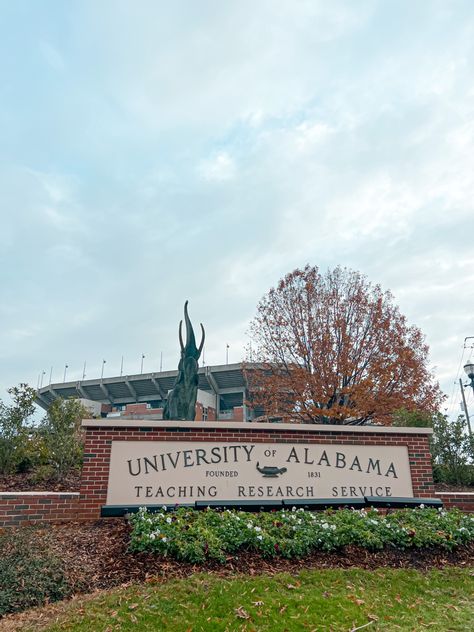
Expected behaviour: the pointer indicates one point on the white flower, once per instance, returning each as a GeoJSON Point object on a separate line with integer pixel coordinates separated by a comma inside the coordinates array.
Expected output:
{"type": "Point", "coordinates": [333, 527]}
{"type": "Point", "coordinates": [164, 507]}
{"type": "Point", "coordinates": [293, 509]}
{"type": "Point", "coordinates": [152, 536]}
{"type": "Point", "coordinates": [257, 529]}
{"type": "Point", "coordinates": [165, 540]}
{"type": "Point", "coordinates": [249, 525]}
{"type": "Point", "coordinates": [422, 506]}
{"type": "Point", "coordinates": [325, 525]}
{"type": "Point", "coordinates": [168, 520]}
{"type": "Point", "coordinates": [259, 537]}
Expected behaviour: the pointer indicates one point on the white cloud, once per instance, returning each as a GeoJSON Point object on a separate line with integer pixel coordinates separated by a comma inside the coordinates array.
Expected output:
{"type": "Point", "coordinates": [203, 151]}
{"type": "Point", "coordinates": [219, 168]}
{"type": "Point", "coordinates": [308, 134]}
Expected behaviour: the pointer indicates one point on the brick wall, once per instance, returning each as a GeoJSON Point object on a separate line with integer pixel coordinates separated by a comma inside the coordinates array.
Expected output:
{"type": "Point", "coordinates": [211, 413]}
{"type": "Point", "coordinates": [464, 501]}
{"type": "Point", "coordinates": [99, 440]}
{"type": "Point", "coordinates": [20, 508]}
{"type": "Point", "coordinates": [239, 413]}
{"type": "Point", "coordinates": [17, 508]}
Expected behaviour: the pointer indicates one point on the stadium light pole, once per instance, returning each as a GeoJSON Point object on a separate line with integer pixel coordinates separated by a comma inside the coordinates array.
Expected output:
{"type": "Point", "coordinates": [141, 367]}
{"type": "Point", "coordinates": [102, 372]}
{"type": "Point", "coordinates": [84, 370]}
{"type": "Point", "coordinates": [50, 375]}
{"type": "Point", "coordinates": [227, 354]}
{"type": "Point", "coordinates": [121, 367]}
{"type": "Point", "coordinates": [66, 367]}
{"type": "Point", "coordinates": [42, 376]}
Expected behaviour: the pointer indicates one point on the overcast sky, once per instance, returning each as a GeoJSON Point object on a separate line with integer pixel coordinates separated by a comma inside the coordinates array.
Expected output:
{"type": "Point", "coordinates": [156, 151]}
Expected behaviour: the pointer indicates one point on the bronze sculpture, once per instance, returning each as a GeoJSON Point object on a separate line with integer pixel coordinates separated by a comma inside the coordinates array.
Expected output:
{"type": "Point", "coordinates": [181, 402]}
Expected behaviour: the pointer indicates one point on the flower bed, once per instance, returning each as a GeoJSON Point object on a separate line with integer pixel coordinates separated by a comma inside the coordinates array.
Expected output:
{"type": "Point", "coordinates": [194, 536]}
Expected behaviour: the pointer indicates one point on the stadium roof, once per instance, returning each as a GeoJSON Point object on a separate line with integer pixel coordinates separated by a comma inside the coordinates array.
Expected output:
{"type": "Point", "coordinates": [225, 380]}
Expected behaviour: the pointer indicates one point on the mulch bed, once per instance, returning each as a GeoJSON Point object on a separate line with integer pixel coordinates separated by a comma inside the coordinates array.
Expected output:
{"type": "Point", "coordinates": [27, 482]}
{"type": "Point", "coordinates": [96, 557]}
{"type": "Point", "coordinates": [444, 487]}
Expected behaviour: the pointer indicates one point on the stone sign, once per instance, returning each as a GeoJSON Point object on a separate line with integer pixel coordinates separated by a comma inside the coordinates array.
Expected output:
{"type": "Point", "coordinates": [180, 472]}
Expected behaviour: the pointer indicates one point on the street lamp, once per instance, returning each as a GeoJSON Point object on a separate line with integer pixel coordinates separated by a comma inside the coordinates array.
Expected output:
{"type": "Point", "coordinates": [469, 369]}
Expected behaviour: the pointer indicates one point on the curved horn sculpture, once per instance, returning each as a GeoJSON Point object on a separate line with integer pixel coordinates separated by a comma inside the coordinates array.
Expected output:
{"type": "Point", "coordinates": [190, 339]}
{"type": "Point", "coordinates": [181, 402]}
{"type": "Point", "coordinates": [181, 336]}
{"type": "Point", "coordinates": [202, 340]}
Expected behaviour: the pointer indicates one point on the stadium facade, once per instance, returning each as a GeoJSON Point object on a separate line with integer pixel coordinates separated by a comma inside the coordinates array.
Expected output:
{"type": "Point", "coordinates": [222, 394]}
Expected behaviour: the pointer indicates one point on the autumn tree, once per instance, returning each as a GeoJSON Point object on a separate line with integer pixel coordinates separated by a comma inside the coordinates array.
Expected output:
{"type": "Point", "coordinates": [334, 348]}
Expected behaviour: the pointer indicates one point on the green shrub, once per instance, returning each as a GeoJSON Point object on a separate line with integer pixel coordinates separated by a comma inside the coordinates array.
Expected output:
{"type": "Point", "coordinates": [62, 438]}
{"type": "Point", "coordinates": [462, 475]}
{"type": "Point", "coordinates": [412, 418]}
{"type": "Point", "coordinates": [28, 576]}
{"type": "Point", "coordinates": [452, 449]}
{"type": "Point", "coordinates": [15, 447]}
{"type": "Point", "coordinates": [194, 536]}
{"type": "Point", "coordinates": [452, 452]}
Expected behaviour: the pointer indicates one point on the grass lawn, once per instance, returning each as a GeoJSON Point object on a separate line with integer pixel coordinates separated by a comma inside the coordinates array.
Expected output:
{"type": "Point", "coordinates": [336, 600]}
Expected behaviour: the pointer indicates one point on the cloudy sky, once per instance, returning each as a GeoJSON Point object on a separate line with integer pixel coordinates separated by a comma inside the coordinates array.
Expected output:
{"type": "Point", "coordinates": [156, 151]}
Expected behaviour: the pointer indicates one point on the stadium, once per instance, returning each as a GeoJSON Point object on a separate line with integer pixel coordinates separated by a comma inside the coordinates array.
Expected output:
{"type": "Point", "coordinates": [222, 394]}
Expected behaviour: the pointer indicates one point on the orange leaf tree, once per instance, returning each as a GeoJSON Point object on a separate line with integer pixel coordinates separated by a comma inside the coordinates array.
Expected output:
{"type": "Point", "coordinates": [333, 348]}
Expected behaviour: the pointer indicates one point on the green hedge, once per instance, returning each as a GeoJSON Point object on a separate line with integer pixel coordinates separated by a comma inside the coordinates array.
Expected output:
{"type": "Point", "coordinates": [194, 536]}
